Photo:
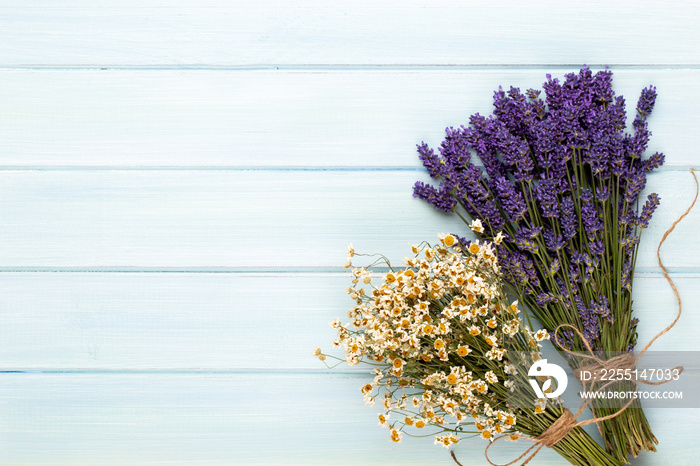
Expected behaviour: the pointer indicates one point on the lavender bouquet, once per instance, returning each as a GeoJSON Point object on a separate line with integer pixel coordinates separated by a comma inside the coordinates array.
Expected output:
{"type": "Point", "coordinates": [561, 180]}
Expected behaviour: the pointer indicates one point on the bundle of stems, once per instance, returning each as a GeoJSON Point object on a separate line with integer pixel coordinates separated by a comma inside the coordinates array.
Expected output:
{"type": "Point", "coordinates": [561, 182]}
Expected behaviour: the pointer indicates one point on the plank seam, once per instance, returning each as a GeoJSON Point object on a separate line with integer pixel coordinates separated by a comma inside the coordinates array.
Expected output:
{"type": "Point", "coordinates": [230, 168]}
{"type": "Point", "coordinates": [342, 67]}
{"type": "Point", "coordinates": [643, 271]}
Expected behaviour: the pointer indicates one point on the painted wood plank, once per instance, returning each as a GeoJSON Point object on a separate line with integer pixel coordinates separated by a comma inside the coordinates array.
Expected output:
{"type": "Point", "coordinates": [264, 118]}
{"type": "Point", "coordinates": [157, 32]}
{"type": "Point", "coordinates": [230, 419]}
{"type": "Point", "coordinates": [251, 219]}
{"type": "Point", "coordinates": [222, 322]}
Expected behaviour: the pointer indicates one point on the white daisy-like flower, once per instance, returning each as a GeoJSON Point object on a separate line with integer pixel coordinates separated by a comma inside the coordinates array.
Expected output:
{"type": "Point", "coordinates": [477, 226]}
{"type": "Point", "coordinates": [491, 377]}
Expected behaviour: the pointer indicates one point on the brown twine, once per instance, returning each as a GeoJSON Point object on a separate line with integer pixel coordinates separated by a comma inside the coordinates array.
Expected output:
{"type": "Point", "coordinates": [567, 421]}
{"type": "Point", "coordinates": [553, 434]}
{"type": "Point", "coordinates": [597, 368]}
{"type": "Point", "coordinates": [557, 430]}
{"type": "Point", "coordinates": [454, 457]}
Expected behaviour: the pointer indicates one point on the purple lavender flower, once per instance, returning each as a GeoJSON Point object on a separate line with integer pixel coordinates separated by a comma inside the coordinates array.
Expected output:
{"type": "Point", "coordinates": [601, 307]}
{"type": "Point", "coordinates": [592, 222]}
{"type": "Point", "coordinates": [602, 193]}
{"type": "Point", "coordinates": [591, 327]}
{"type": "Point", "coordinates": [546, 194]}
{"type": "Point", "coordinates": [630, 242]}
{"type": "Point", "coordinates": [636, 182]}
{"type": "Point", "coordinates": [512, 266]}
{"type": "Point", "coordinates": [553, 92]}
{"type": "Point", "coordinates": [602, 87]}
{"type": "Point", "coordinates": [510, 199]}
{"type": "Point", "coordinates": [618, 160]}
{"type": "Point", "coordinates": [565, 339]}
{"type": "Point", "coordinates": [646, 101]}
{"type": "Point", "coordinates": [648, 210]}
{"type": "Point", "coordinates": [564, 290]}
{"type": "Point", "coordinates": [430, 161]}
{"type": "Point", "coordinates": [553, 240]}
{"type": "Point", "coordinates": [554, 266]}
{"type": "Point", "coordinates": [479, 138]}
{"type": "Point", "coordinates": [640, 140]}
{"type": "Point", "coordinates": [597, 248]}
{"type": "Point", "coordinates": [546, 298]}
{"type": "Point", "coordinates": [653, 162]}
{"type": "Point", "coordinates": [454, 149]}
{"type": "Point", "coordinates": [567, 220]}
{"type": "Point", "coordinates": [437, 198]}
{"type": "Point", "coordinates": [599, 158]}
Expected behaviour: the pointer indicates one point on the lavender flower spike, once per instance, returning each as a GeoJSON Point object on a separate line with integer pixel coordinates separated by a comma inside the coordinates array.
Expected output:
{"type": "Point", "coordinates": [646, 100]}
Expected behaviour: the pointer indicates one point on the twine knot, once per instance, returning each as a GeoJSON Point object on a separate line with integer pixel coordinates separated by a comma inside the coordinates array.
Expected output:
{"type": "Point", "coordinates": [558, 429]}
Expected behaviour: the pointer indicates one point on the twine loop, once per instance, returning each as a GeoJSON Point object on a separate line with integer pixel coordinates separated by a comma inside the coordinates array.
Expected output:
{"type": "Point", "coordinates": [597, 367]}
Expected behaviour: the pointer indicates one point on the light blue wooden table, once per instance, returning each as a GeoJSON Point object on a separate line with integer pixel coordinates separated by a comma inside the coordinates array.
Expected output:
{"type": "Point", "coordinates": [179, 181]}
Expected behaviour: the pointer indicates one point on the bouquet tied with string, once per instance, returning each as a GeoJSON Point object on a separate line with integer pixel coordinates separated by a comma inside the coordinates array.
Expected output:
{"type": "Point", "coordinates": [561, 177]}
{"type": "Point", "coordinates": [441, 334]}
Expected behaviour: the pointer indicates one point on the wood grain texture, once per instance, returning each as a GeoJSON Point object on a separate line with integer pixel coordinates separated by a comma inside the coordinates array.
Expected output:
{"type": "Point", "coordinates": [253, 419]}
{"type": "Point", "coordinates": [221, 322]}
{"type": "Point", "coordinates": [250, 219]}
{"type": "Point", "coordinates": [505, 32]}
{"type": "Point", "coordinates": [267, 118]}
{"type": "Point", "coordinates": [179, 182]}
